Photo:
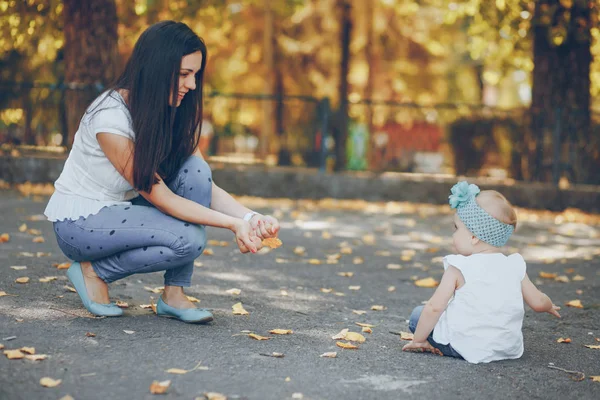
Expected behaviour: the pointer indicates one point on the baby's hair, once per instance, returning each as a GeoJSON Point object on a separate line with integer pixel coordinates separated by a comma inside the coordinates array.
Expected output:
{"type": "Point", "coordinates": [497, 206]}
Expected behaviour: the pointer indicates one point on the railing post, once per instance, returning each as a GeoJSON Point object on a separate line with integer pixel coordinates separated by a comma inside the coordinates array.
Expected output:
{"type": "Point", "coordinates": [324, 111]}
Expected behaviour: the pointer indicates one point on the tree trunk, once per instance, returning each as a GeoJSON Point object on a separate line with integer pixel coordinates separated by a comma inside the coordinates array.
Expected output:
{"type": "Point", "coordinates": [341, 133]}
{"type": "Point", "coordinates": [266, 133]}
{"type": "Point", "coordinates": [560, 108]}
{"type": "Point", "coordinates": [90, 28]}
{"type": "Point", "coordinates": [370, 60]}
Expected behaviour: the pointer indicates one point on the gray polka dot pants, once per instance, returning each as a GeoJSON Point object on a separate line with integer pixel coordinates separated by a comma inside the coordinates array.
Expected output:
{"type": "Point", "coordinates": [123, 240]}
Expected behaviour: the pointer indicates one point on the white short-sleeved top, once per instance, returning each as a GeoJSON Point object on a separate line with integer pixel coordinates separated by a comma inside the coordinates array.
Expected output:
{"type": "Point", "coordinates": [483, 320]}
{"type": "Point", "coordinates": [89, 181]}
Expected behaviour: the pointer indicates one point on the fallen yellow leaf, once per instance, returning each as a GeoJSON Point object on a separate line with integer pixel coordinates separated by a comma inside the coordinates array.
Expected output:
{"type": "Point", "coordinates": [378, 308]}
{"type": "Point", "coordinates": [65, 265]}
{"type": "Point", "coordinates": [406, 335]}
{"type": "Point", "coordinates": [575, 303]}
{"type": "Point", "coordinates": [354, 287]}
{"type": "Point", "coordinates": [562, 340]}
{"type": "Point", "coordinates": [314, 261]}
{"type": "Point", "coordinates": [346, 250]}
{"type": "Point", "coordinates": [427, 283]}
{"type": "Point", "coordinates": [595, 378]}
{"type": "Point", "coordinates": [299, 250]}
{"type": "Point", "coordinates": [331, 354]}
{"type": "Point", "coordinates": [359, 312]}
{"type": "Point", "coordinates": [28, 350]}
{"type": "Point", "coordinates": [156, 290]}
{"type": "Point", "coordinates": [23, 279]}
{"type": "Point", "coordinates": [281, 261]}
{"type": "Point", "coordinates": [346, 274]}
{"type": "Point", "coordinates": [392, 289]}
{"type": "Point", "coordinates": [48, 279]}
{"type": "Point", "coordinates": [326, 290]}
{"type": "Point", "coordinates": [394, 266]}
{"type": "Point", "coordinates": [18, 267]}
{"type": "Point", "coordinates": [258, 337]}
{"type": "Point", "coordinates": [238, 309]}
{"type": "Point", "coordinates": [23, 228]}
{"type": "Point", "coordinates": [34, 232]}
{"type": "Point", "coordinates": [366, 329]}
{"type": "Point", "coordinates": [578, 278]}
{"type": "Point", "coordinates": [67, 397]}
{"type": "Point", "coordinates": [281, 331]}
{"type": "Point", "coordinates": [339, 294]}
{"type": "Point", "coordinates": [343, 345]}
{"type": "Point", "coordinates": [214, 396]}
{"type": "Point", "coordinates": [548, 275]}
{"type": "Point", "coordinates": [14, 354]}
{"type": "Point", "coordinates": [355, 337]}
{"type": "Point", "coordinates": [591, 346]}
{"type": "Point", "coordinates": [5, 237]}
{"type": "Point", "coordinates": [283, 292]}
{"type": "Point", "coordinates": [233, 291]}
{"type": "Point", "coordinates": [122, 304]}
{"type": "Point", "coordinates": [38, 239]}
{"type": "Point", "coordinates": [1, 346]}
{"type": "Point", "coordinates": [341, 335]}
{"type": "Point", "coordinates": [273, 243]}
{"type": "Point", "coordinates": [383, 253]}
{"type": "Point", "coordinates": [208, 252]}
{"type": "Point", "coordinates": [562, 278]}
{"type": "Point", "coordinates": [365, 325]}
{"type": "Point", "coordinates": [369, 239]}
{"type": "Point", "coordinates": [49, 382]}
{"type": "Point", "coordinates": [36, 357]}
{"type": "Point", "coordinates": [3, 293]}
{"type": "Point", "coordinates": [90, 334]}
{"type": "Point", "coordinates": [159, 387]}
{"type": "Point", "coordinates": [326, 235]}
{"type": "Point", "coordinates": [198, 264]}
{"type": "Point", "coordinates": [358, 260]}
{"type": "Point", "coordinates": [193, 299]}
{"type": "Point", "coordinates": [177, 371]}
{"type": "Point", "coordinates": [70, 289]}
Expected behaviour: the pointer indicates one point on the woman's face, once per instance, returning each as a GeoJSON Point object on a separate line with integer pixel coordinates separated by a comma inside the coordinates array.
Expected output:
{"type": "Point", "coordinates": [190, 65]}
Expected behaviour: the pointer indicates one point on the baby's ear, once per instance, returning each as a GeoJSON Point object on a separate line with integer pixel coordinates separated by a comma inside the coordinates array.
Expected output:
{"type": "Point", "coordinates": [474, 240]}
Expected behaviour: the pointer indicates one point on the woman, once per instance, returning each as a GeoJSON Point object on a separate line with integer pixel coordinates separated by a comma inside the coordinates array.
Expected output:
{"type": "Point", "coordinates": [135, 192]}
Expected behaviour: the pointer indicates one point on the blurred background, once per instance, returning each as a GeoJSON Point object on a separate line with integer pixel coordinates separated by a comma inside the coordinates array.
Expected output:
{"type": "Point", "coordinates": [500, 88]}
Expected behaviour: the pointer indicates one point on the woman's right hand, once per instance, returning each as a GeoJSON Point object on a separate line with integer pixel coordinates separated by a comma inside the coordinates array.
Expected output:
{"type": "Point", "coordinates": [246, 238]}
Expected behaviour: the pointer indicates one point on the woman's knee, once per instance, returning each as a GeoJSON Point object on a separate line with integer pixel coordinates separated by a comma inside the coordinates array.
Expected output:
{"type": "Point", "coordinates": [192, 241]}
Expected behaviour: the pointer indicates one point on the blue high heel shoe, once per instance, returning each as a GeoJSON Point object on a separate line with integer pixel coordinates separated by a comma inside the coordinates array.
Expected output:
{"type": "Point", "coordinates": [189, 315]}
{"type": "Point", "coordinates": [75, 275]}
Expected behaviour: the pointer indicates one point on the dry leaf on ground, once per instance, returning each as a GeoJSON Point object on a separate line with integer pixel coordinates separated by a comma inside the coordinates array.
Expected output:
{"type": "Point", "coordinates": [18, 267]}
{"type": "Point", "coordinates": [23, 228]}
{"type": "Point", "coordinates": [122, 304]}
{"type": "Point", "coordinates": [343, 345]}
{"type": "Point", "coordinates": [23, 279]}
{"type": "Point", "coordinates": [159, 387]}
{"type": "Point", "coordinates": [36, 357]}
{"type": "Point", "coordinates": [38, 239]}
{"type": "Point", "coordinates": [90, 334]}
{"type": "Point", "coordinates": [369, 239]}
{"type": "Point", "coordinates": [213, 396]}
{"type": "Point", "coordinates": [355, 337]}
{"type": "Point", "coordinates": [67, 397]}
{"type": "Point", "coordinates": [575, 303]}
{"type": "Point", "coordinates": [591, 346]}
{"type": "Point", "coordinates": [358, 260]}
{"type": "Point", "coordinates": [326, 290]}
{"type": "Point", "coordinates": [128, 332]}
{"type": "Point", "coordinates": [272, 243]}
{"type": "Point", "coordinates": [299, 250]}
{"type": "Point", "coordinates": [233, 291]}
{"type": "Point", "coordinates": [427, 283]}
{"type": "Point", "coordinates": [177, 371]}
{"type": "Point", "coordinates": [563, 340]}
{"type": "Point", "coordinates": [354, 287]}
{"type": "Point", "coordinates": [28, 350]}
{"type": "Point", "coordinates": [258, 337]}
{"type": "Point", "coordinates": [48, 279]}
{"type": "Point", "coordinates": [365, 325]}
{"type": "Point", "coordinates": [198, 264]}
{"type": "Point", "coordinates": [330, 354]}
{"type": "Point", "coordinates": [193, 299]}
{"type": "Point", "coordinates": [366, 329]}
{"type": "Point", "coordinates": [548, 275]}
{"type": "Point", "coordinates": [14, 354]}
{"type": "Point", "coordinates": [378, 308]}
{"type": "Point", "coordinates": [238, 309]}
{"type": "Point", "coordinates": [595, 378]}
{"type": "Point", "coordinates": [346, 250]}
{"type": "Point", "coordinates": [49, 382]}
{"type": "Point", "coordinates": [562, 278]}
{"type": "Point", "coordinates": [314, 261]}
{"type": "Point", "coordinates": [65, 265]}
{"type": "Point", "coordinates": [5, 237]}
{"type": "Point", "coordinates": [281, 331]}
{"type": "Point", "coordinates": [1, 346]}
{"type": "Point", "coordinates": [3, 293]}
{"type": "Point", "coordinates": [578, 278]}
{"type": "Point", "coordinates": [392, 289]}
{"type": "Point", "coordinates": [34, 232]}
{"type": "Point", "coordinates": [156, 290]}
{"type": "Point", "coordinates": [394, 266]}
{"type": "Point", "coordinates": [359, 312]}
{"type": "Point", "coordinates": [70, 289]}
{"type": "Point", "coordinates": [326, 235]}
{"type": "Point", "coordinates": [406, 335]}
{"type": "Point", "coordinates": [341, 335]}
{"type": "Point", "coordinates": [208, 252]}
{"type": "Point", "coordinates": [346, 274]}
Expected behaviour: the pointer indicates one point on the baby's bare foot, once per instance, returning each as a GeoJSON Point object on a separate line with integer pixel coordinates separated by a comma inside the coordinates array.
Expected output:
{"type": "Point", "coordinates": [97, 289]}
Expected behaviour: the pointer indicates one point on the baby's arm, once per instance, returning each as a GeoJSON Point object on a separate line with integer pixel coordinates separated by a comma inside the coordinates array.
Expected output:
{"type": "Point", "coordinates": [538, 301]}
{"type": "Point", "coordinates": [434, 309]}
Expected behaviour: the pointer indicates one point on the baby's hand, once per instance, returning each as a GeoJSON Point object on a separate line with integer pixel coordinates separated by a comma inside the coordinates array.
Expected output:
{"type": "Point", "coordinates": [554, 311]}
{"type": "Point", "coordinates": [421, 347]}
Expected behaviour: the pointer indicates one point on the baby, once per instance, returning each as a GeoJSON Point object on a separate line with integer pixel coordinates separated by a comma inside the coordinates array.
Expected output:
{"type": "Point", "coordinates": [476, 313]}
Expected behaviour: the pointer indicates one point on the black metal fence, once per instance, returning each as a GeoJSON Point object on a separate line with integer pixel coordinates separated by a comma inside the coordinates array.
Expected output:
{"type": "Point", "coordinates": [382, 135]}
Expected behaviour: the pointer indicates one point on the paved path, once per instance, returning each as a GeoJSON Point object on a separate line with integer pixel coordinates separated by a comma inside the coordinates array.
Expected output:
{"type": "Point", "coordinates": [119, 365]}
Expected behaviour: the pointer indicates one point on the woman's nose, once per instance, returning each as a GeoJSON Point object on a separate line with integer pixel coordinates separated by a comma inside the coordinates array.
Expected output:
{"type": "Point", "coordinates": [190, 82]}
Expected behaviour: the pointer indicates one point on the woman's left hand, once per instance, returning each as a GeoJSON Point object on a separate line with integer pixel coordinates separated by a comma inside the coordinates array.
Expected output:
{"type": "Point", "coordinates": [265, 226]}
{"type": "Point", "coordinates": [421, 347]}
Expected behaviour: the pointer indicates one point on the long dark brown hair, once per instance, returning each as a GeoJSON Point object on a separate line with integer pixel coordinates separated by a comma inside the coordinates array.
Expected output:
{"type": "Point", "coordinates": [165, 135]}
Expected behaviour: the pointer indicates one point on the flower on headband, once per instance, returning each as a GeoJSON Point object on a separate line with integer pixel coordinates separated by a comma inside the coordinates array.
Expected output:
{"type": "Point", "coordinates": [462, 192]}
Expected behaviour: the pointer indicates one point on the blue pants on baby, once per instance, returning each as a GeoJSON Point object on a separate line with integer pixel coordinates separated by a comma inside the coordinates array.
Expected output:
{"type": "Point", "coordinates": [446, 349]}
{"type": "Point", "coordinates": [123, 240]}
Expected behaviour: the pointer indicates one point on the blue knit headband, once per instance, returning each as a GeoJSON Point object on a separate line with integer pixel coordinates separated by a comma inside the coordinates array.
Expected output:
{"type": "Point", "coordinates": [476, 219]}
